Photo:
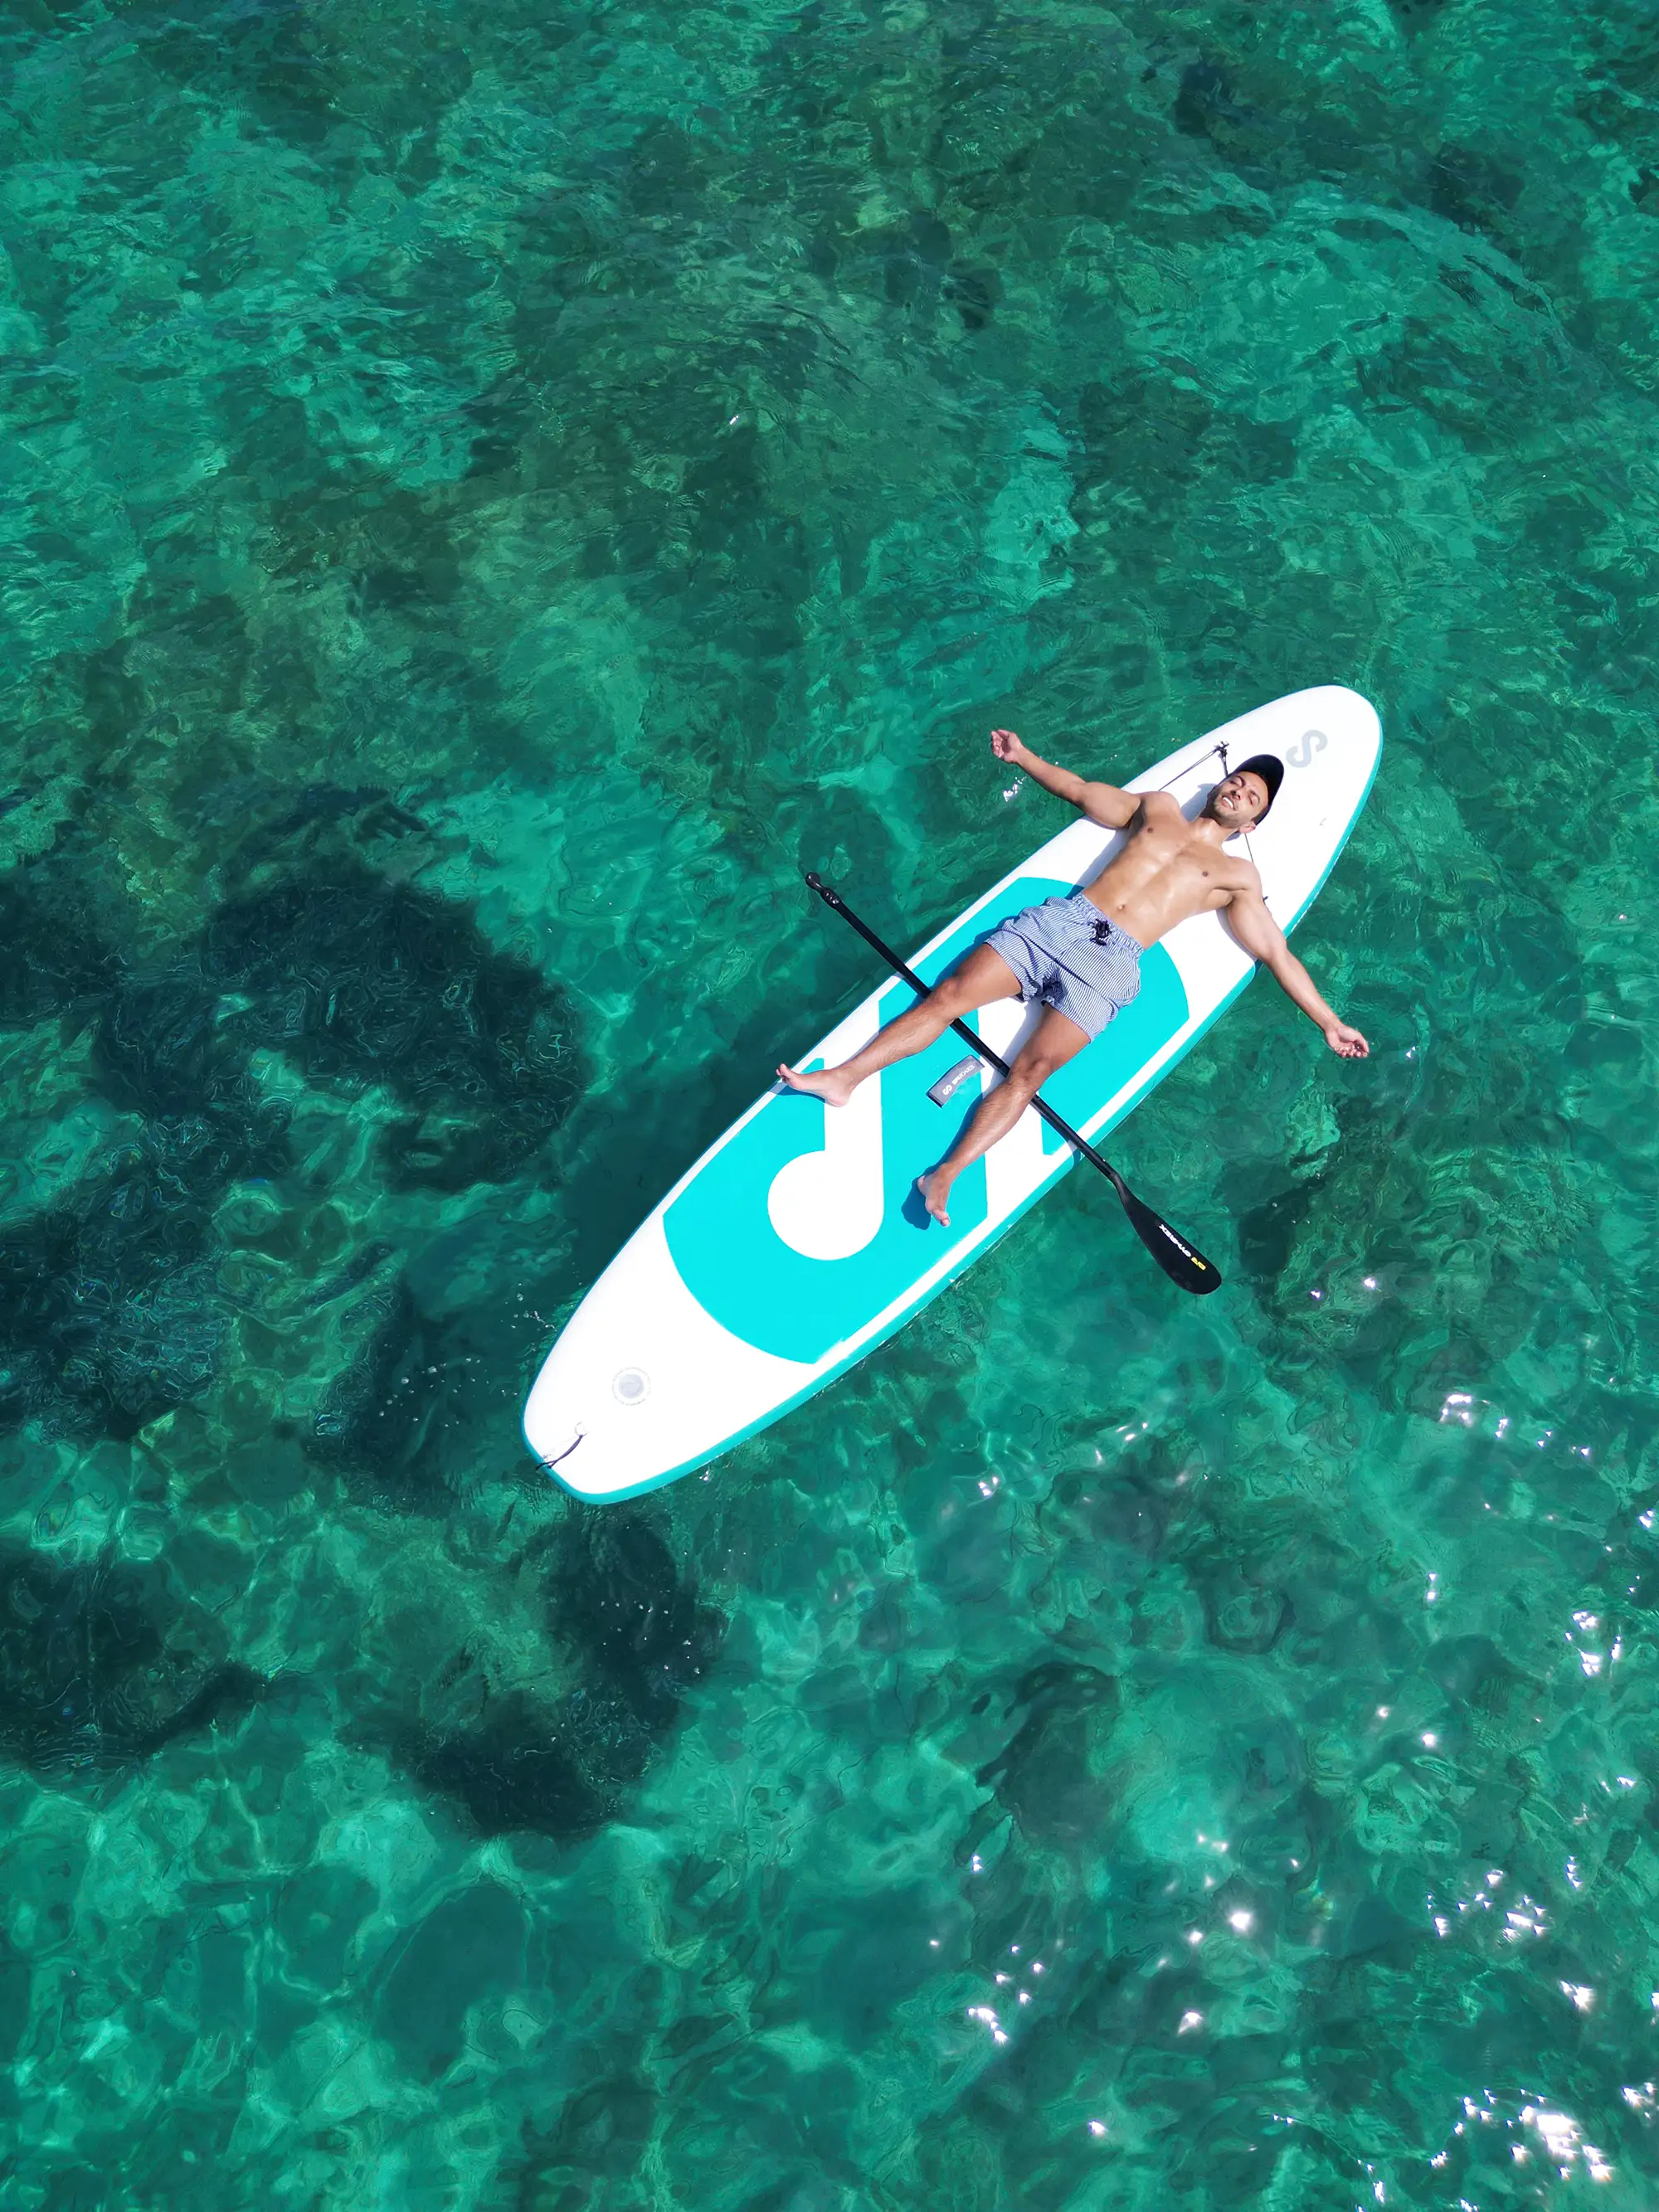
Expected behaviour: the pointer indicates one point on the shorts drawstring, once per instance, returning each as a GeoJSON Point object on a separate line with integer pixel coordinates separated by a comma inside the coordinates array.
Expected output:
{"type": "Point", "coordinates": [1045, 946]}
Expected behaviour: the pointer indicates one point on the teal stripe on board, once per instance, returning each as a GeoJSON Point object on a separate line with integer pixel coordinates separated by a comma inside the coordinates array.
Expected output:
{"type": "Point", "coordinates": [720, 1230]}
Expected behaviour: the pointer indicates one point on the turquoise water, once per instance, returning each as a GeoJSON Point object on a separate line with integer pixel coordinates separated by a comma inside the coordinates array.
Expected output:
{"type": "Point", "coordinates": [492, 493]}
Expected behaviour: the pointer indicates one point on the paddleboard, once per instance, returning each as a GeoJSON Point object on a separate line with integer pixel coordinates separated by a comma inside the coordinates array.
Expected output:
{"type": "Point", "coordinates": [795, 1245]}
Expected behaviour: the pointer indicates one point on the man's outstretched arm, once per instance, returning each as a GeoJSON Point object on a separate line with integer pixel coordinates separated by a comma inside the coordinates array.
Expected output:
{"type": "Point", "coordinates": [1264, 940]}
{"type": "Point", "coordinates": [1101, 802]}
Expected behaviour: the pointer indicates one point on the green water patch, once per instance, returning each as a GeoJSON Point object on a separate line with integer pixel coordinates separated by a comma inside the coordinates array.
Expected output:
{"type": "Point", "coordinates": [491, 496]}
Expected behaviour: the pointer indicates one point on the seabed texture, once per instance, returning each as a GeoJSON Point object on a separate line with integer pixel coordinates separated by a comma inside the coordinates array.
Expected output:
{"type": "Point", "coordinates": [491, 492]}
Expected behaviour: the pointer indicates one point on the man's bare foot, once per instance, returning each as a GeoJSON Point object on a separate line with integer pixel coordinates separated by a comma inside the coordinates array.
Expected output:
{"type": "Point", "coordinates": [935, 1189]}
{"type": "Point", "coordinates": [826, 1083]}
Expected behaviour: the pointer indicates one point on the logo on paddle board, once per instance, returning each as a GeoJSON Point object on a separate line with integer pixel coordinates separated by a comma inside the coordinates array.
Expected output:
{"type": "Point", "coordinates": [1300, 754]}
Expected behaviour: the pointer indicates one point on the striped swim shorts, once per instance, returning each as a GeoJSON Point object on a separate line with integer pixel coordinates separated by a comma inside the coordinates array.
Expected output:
{"type": "Point", "coordinates": [1068, 954]}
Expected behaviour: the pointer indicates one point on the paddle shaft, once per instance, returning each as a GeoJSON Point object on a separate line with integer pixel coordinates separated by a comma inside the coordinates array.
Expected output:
{"type": "Point", "coordinates": [1181, 1261]}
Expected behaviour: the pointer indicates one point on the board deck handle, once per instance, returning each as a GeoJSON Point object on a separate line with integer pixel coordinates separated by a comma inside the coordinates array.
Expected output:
{"type": "Point", "coordinates": [953, 1078]}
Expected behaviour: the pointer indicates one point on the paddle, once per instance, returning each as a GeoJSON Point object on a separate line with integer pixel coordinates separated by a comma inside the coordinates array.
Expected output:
{"type": "Point", "coordinates": [1179, 1261]}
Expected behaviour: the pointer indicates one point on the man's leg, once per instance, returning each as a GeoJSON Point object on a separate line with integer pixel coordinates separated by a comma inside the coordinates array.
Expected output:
{"type": "Point", "coordinates": [983, 976]}
{"type": "Point", "coordinates": [1055, 1040]}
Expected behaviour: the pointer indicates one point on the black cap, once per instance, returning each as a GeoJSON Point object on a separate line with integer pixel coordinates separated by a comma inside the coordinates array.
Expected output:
{"type": "Point", "coordinates": [1271, 771]}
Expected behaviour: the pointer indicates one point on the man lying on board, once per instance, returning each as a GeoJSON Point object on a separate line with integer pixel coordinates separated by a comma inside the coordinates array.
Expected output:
{"type": "Point", "coordinates": [1081, 956]}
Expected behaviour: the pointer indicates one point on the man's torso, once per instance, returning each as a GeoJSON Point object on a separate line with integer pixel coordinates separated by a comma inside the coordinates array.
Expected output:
{"type": "Point", "coordinates": [1166, 871]}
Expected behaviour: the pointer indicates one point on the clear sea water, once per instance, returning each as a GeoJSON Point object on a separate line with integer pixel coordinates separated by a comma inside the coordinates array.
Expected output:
{"type": "Point", "coordinates": [492, 493]}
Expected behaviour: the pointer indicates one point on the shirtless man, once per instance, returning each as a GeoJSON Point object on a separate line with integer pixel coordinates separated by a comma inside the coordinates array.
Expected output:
{"type": "Point", "coordinates": [1081, 956]}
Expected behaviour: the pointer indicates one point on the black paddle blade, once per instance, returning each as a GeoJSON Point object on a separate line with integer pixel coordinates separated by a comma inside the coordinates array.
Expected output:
{"type": "Point", "coordinates": [1181, 1261]}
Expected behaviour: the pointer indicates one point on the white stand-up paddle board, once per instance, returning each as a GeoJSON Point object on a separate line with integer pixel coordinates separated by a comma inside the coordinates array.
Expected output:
{"type": "Point", "coordinates": [797, 1243]}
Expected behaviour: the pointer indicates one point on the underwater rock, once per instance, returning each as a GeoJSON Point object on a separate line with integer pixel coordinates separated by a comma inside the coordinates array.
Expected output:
{"type": "Point", "coordinates": [301, 832]}
{"type": "Point", "coordinates": [110, 1312]}
{"type": "Point", "coordinates": [1267, 1233]}
{"type": "Point", "coordinates": [358, 980]}
{"type": "Point", "coordinates": [1138, 430]}
{"type": "Point", "coordinates": [643, 1638]}
{"type": "Point", "coordinates": [1242, 1614]}
{"type": "Point", "coordinates": [163, 1050]}
{"type": "Point", "coordinates": [469, 1945]}
{"type": "Point", "coordinates": [358, 1268]}
{"type": "Point", "coordinates": [975, 293]}
{"type": "Point", "coordinates": [1473, 190]}
{"type": "Point", "coordinates": [617, 1597]}
{"type": "Point", "coordinates": [323, 803]}
{"type": "Point", "coordinates": [1046, 1775]}
{"type": "Point", "coordinates": [317, 1917]}
{"type": "Point", "coordinates": [376, 1419]}
{"type": "Point", "coordinates": [1204, 106]}
{"type": "Point", "coordinates": [109, 1307]}
{"type": "Point", "coordinates": [1260, 1570]}
{"type": "Point", "coordinates": [97, 1667]}
{"type": "Point", "coordinates": [55, 959]}
{"type": "Point", "coordinates": [1493, 1698]}
{"type": "Point", "coordinates": [559, 1770]}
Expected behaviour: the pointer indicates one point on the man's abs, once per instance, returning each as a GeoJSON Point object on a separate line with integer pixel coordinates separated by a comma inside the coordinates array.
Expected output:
{"type": "Point", "coordinates": [1157, 881]}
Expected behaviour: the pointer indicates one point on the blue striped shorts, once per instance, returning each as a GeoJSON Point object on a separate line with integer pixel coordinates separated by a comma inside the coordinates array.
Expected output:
{"type": "Point", "coordinates": [1068, 955]}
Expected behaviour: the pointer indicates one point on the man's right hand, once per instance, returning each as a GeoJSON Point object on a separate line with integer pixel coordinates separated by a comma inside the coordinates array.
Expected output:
{"type": "Point", "coordinates": [1344, 1038]}
{"type": "Point", "coordinates": [1006, 746]}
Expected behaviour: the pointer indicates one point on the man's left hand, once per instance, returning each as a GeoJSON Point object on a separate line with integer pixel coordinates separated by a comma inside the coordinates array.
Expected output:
{"type": "Point", "coordinates": [1348, 1042]}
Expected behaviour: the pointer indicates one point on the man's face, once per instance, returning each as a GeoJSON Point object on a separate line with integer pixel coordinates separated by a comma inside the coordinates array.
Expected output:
{"type": "Point", "coordinates": [1239, 798]}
